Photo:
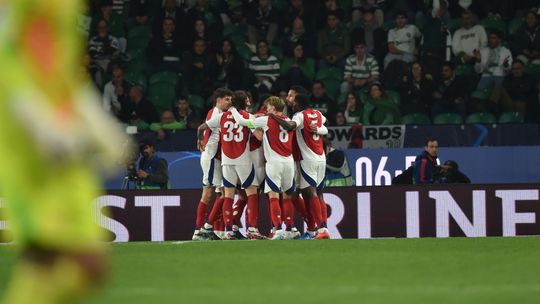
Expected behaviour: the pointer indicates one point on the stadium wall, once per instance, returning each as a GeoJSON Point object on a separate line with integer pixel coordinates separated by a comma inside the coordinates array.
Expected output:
{"type": "Point", "coordinates": [374, 167]}
{"type": "Point", "coordinates": [354, 212]}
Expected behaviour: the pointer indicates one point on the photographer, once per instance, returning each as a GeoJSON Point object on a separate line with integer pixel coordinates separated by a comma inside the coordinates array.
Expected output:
{"type": "Point", "coordinates": [450, 174]}
{"type": "Point", "coordinates": [153, 170]}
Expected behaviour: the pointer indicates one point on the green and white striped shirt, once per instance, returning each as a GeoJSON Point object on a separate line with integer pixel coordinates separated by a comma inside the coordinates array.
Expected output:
{"type": "Point", "coordinates": [268, 67]}
{"type": "Point", "coordinates": [361, 70]}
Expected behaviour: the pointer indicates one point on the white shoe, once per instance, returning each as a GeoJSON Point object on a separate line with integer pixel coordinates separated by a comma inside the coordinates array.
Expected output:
{"type": "Point", "coordinates": [279, 235]}
{"type": "Point", "coordinates": [221, 234]}
{"type": "Point", "coordinates": [197, 237]}
{"type": "Point", "coordinates": [254, 234]}
{"type": "Point", "coordinates": [295, 232]}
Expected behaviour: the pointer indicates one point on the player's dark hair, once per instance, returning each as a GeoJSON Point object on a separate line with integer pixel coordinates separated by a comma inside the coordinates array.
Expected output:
{"type": "Point", "coordinates": [449, 64]}
{"type": "Point", "coordinates": [429, 139]}
{"type": "Point", "coordinates": [302, 101]}
{"type": "Point", "coordinates": [298, 89]}
{"type": "Point", "coordinates": [222, 92]}
{"type": "Point", "coordinates": [239, 99]}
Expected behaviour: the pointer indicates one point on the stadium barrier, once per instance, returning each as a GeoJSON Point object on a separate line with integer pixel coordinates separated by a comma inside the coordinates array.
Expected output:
{"type": "Point", "coordinates": [354, 212]}
{"type": "Point", "coordinates": [377, 167]}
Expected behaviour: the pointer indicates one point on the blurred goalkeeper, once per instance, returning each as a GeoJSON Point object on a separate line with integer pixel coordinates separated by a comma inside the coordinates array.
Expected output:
{"type": "Point", "coordinates": [53, 140]}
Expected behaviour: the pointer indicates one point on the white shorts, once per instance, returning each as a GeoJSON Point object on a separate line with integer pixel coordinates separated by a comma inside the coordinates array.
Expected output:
{"type": "Point", "coordinates": [279, 177]}
{"type": "Point", "coordinates": [239, 175]}
{"type": "Point", "coordinates": [312, 174]}
{"type": "Point", "coordinates": [211, 172]}
{"type": "Point", "coordinates": [258, 162]}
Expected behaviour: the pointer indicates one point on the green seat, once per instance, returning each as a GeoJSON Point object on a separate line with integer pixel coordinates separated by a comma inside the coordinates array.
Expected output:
{"type": "Point", "coordinates": [481, 118]}
{"type": "Point", "coordinates": [394, 95]}
{"type": "Point", "coordinates": [388, 25]}
{"type": "Point", "coordinates": [342, 99]}
{"type": "Point", "coordinates": [514, 25]}
{"type": "Point", "coordinates": [454, 24]}
{"type": "Point", "coordinates": [136, 54]}
{"type": "Point", "coordinates": [482, 94]}
{"type": "Point", "coordinates": [511, 117]}
{"type": "Point", "coordinates": [276, 51]}
{"type": "Point", "coordinates": [138, 43]}
{"type": "Point", "coordinates": [332, 87]}
{"type": "Point", "coordinates": [532, 69]}
{"type": "Point", "coordinates": [136, 79]}
{"type": "Point", "coordinates": [415, 119]}
{"type": "Point", "coordinates": [231, 30]}
{"type": "Point", "coordinates": [162, 95]}
{"type": "Point", "coordinates": [196, 102]}
{"type": "Point", "coordinates": [329, 73]}
{"type": "Point", "coordinates": [464, 69]}
{"type": "Point", "coordinates": [164, 77]}
{"type": "Point", "coordinates": [448, 119]}
{"type": "Point", "coordinates": [135, 66]}
{"type": "Point", "coordinates": [244, 52]}
{"type": "Point", "coordinates": [493, 24]}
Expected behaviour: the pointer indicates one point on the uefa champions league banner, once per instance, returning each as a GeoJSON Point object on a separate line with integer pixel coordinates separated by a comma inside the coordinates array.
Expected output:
{"type": "Point", "coordinates": [354, 212]}
{"type": "Point", "coordinates": [367, 137]}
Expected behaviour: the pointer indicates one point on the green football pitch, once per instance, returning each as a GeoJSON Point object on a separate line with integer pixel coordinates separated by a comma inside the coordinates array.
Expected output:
{"type": "Point", "coordinates": [454, 270]}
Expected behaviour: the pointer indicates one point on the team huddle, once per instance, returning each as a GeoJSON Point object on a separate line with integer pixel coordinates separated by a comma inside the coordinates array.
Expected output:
{"type": "Point", "coordinates": [268, 153]}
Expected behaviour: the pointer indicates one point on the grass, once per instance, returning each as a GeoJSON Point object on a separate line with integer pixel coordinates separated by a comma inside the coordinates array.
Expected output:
{"type": "Point", "coordinates": [454, 270]}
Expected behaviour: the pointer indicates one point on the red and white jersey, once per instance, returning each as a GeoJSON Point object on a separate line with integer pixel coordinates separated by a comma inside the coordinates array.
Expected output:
{"type": "Point", "coordinates": [235, 140]}
{"type": "Point", "coordinates": [277, 142]}
{"type": "Point", "coordinates": [310, 144]}
{"type": "Point", "coordinates": [211, 135]}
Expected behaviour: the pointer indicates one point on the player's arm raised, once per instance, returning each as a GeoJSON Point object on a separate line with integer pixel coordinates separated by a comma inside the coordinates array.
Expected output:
{"type": "Point", "coordinates": [288, 125]}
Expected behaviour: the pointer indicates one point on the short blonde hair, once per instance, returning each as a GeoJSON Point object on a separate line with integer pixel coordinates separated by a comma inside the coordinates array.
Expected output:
{"type": "Point", "coordinates": [276, 102]}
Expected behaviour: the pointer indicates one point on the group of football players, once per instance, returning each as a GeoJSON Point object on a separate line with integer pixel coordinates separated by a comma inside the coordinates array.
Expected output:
{"type": "Point", "coordinates": [246, 154]}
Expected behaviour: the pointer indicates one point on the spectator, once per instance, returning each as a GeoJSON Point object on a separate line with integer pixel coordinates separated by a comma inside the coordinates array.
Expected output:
{"type": "Point", "coordinates": [227, 68]}
{"type": "Point", "coordinates": [320, 101]}
{"type": "Point", "coordinates": [297, 70]}
{"type": "Point", "coordinates": [262, 22]}
{"type": "Point", "coordinates": [168, 123]}
{"type": "Point", "coordinates": [450, 93]}
{"type": "Point", "coordinates": [140, 112]}
{"type": "Point", "coordinates": [468, 39]}
{"type": "Point", "coordinates": [103, 48]}
{"type": "Point", "coordinates": [415, 91]}
{"type": "Point", "coordinates": [138, 15]}
{"type": "Point", "coordinates": [297, 10]}
{"type": "Point", "coordinates": [211, 16]}
{"type": "Point", "coordinates": [526, 44]}
{"type": "Point", "coordinates": [516, 93]}
{"type": "Point", "coordinates": [184, 114]}
{"type": "Point", "coordinates": [116, 93]}
{"type": "Point", "coordinates": [402, 40]}
{"type": "Point", "coordinates": [339, 120]}
{"type": "Point", "coordinates": [164, 50]}
{"type": "Point", "coordinates": [298, 35]}
{"type": "Point", "coordinates": [199, 30]}
{"type": "Point", "coordinates": [328, 7]}
{"type": "Point", "coordinates": [493, 62]}
{"type": "Point", "coordinates": [370, 7]}
{"type": "Point", "coordinates": [354, 109]}
{"type": "Point", "coordinates": [425, 164]}
{"type": "Point", "coordinates": [333, 43]}
{"type": "Point", "coordinates": [379, 108]}
{"type": "Point", "coordinates": [153, 172]}
{"type": "Point", "coordinates": [197, 69]}
{"type": "Point", "coordinates": [361, 69]}
{"type": "Point", "coordinates": [372, 35]}
{"type": "Point", "coordinates": [169, 11]}
{"type": "Point", "coordinates": [437, 42]}
{"type": "Point", "coordinates": [265, 67]}
{"type": "Point", "coordinates": [115, 23]}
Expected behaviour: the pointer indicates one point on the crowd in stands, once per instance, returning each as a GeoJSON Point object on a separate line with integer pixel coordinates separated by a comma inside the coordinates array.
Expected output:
{"type": "Point", "coordinates": [157, 62]}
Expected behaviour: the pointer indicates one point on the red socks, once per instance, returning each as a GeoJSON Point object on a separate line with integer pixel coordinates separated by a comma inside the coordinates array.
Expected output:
{"type": "Point", "coordinates": [275, 213]}
{"type": "Point", "coordinates": [216, 210]}
{"type": "Point", "coordinates": [288, 212]}
{"type": "Point", "coordinates": [300, 207]}
{"type": "Point", "coordinates": [252, 210]}
{"type": "Point", "coordinates": [324, 213]}
{"type": "Point", "coordinates": [202, 209]}
{"type": "Point", "coordinates": [228, 213]}
{"type": "Point", "coordinates": [238, 210]}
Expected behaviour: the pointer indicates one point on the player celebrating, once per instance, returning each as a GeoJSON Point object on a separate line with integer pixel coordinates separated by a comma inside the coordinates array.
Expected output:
{"type": "Point", "coordinates": [237, 166]}
{"type": "Point", "coordinates": [211, 167]}
{"type": "Point", "coordinates": [53, 137]}
{"type": "Point", "coordinates": [309, 125]}
{"type": "Point", "coordinates": [277, 145]}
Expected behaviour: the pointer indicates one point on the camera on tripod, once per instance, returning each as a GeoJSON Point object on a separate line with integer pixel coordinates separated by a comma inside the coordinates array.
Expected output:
{"type": "Point", "coordinates": [131, 177]}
